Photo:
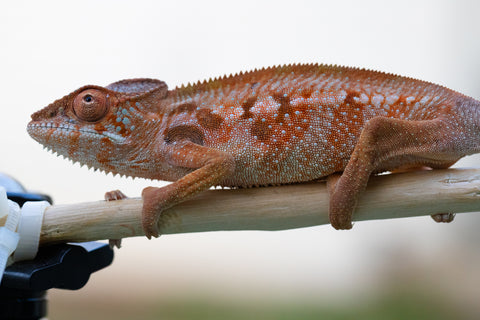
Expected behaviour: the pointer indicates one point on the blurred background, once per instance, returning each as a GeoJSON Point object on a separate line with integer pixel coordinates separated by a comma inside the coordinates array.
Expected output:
{"type": "Point", "coordinates": [406, 268]}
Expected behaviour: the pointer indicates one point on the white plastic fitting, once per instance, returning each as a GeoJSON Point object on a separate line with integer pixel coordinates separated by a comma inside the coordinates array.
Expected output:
{"type": "Point", "coordinates": [29, 229]}
{"type": "Point", "coordinates": [8, 237]}
{"type": "Point", "coordinates": [4, 207]}
{"type": "Point", "coordinates": [21, 233]}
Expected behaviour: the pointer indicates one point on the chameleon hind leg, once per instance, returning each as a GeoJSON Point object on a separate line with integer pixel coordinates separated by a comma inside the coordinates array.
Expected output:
{"type": "Point", "coordinates": [385, 144]}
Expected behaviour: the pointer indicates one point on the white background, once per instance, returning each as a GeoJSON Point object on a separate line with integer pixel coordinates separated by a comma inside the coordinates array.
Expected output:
{"type": "Point", "coordinates": [50, 48]}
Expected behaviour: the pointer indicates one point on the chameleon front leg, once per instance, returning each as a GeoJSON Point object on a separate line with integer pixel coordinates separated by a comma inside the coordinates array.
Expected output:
{"type": "Point", "coordinates": [383, 144]}
{"type": "Point", "coordinates": [211, 166]}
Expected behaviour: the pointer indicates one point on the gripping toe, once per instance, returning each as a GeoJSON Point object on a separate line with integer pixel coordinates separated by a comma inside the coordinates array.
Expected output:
{"type": "Point", "coordinates": [341, 221]}
{"type": "Point", "coordinates": [443, 217]}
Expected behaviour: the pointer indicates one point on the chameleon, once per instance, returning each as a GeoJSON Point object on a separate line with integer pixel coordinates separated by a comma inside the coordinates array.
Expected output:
{"type": "Point", "coordinates": [271, 126]}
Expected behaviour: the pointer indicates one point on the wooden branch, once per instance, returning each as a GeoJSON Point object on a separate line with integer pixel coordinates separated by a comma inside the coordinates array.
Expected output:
{"type": "Point", "coordinates": [270, 208]}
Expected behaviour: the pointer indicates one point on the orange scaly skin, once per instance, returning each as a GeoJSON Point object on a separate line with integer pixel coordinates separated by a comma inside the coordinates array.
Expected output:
{"type": "Point", "coordinates": [273, 126]}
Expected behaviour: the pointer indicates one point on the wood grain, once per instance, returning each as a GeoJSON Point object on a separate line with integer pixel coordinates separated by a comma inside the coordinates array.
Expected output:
{"type": "Point", "coordinates": [270, 208]}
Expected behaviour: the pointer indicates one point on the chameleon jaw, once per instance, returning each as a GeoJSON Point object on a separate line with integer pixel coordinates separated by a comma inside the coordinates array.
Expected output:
{"type": "Point", "coordinates": [43, 132]}
{"type": "Point", "coordinates": [40, 128]}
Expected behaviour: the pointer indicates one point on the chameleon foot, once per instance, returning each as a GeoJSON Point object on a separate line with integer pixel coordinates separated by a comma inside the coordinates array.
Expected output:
{"type": "Point", "coordinates": [443, 217]}
{"type": "Point", "coordinates": [152, 209]}
{"type": "Point", "coordinates": [111, 196]}
{"type": "Point", "coordinates": [338, 218]}
{"type": "Point", "coordinates": [115, 195]}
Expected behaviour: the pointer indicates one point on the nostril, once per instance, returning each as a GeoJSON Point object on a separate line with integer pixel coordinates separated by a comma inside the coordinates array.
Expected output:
{"type": "Point", "coordinates": [45, 113]}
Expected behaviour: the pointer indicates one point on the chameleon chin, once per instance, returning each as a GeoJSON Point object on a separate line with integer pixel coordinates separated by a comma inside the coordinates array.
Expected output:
{"type": "Point", "coordinates": [277, 125]}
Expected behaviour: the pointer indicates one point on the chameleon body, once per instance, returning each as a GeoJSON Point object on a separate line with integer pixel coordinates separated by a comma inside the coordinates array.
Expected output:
{"type": "Point", "coordinates": [272, 126]}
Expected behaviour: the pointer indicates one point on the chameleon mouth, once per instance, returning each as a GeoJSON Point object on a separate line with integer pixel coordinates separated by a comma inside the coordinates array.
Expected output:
{"type": "Point", "coordinates": [38, 129]}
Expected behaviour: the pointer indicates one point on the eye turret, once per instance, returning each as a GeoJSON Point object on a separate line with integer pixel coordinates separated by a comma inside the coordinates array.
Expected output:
{"type": "Point", "coordinates": [90, 105]}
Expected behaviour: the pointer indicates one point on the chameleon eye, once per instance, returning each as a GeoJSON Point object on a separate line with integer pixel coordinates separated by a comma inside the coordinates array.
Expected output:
{"type": "Point", "coordinates": [90, 105]}
{"type": "Point", "coordinates": [87, 98]}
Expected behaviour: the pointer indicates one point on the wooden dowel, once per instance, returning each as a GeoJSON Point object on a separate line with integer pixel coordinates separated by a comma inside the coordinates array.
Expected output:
{"type": "Point", "coordinates": [270, 208]}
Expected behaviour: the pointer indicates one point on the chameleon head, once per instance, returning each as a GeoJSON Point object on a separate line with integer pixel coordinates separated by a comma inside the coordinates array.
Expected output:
{"type": "Point", "coordinates": [97, 126]}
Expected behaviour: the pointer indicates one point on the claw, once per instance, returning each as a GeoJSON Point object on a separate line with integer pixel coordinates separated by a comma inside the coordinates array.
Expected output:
{"type": "Point", "coordinates": [112, 243]}
{"type": "Point", "coordinates": [114, 195]}
{"type": "Point", "coordinates": [150, 221]}
{"type": "Point", "coordinates": [150, 228]}
{"type": "Point", "coordinates": [341, 221]}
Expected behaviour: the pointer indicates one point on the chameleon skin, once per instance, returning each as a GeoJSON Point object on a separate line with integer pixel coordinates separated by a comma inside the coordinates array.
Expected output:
{"type": "Point", "coordinates": [278, 125]}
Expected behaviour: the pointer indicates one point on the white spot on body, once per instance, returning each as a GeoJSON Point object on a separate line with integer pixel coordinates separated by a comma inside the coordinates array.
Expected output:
{"type": "Point", "coordinates": [364, 98]}
{"type": "Point", "coordinates": [409, 100]}
{"type": "Point", "coordinates": [391, 99]}
{"type": "Point", "coordinates": [377, 100]}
